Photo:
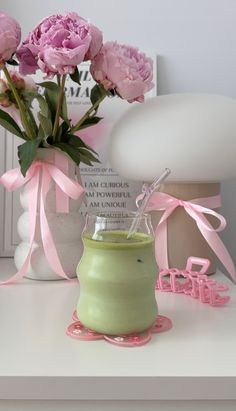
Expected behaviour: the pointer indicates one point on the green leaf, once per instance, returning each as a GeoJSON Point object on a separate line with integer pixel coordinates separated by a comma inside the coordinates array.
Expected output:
{"type": "Point", "coordinates": [89, 155]}
{"type": "Point", "coordinates": [85, 160]}
{"type": "Point", "coordinates": [76, 141]}
{"type": "Point", "coordinates": [51, 96]}
{"type": "Point", "coordinates": [71, 151]}
{"type": "Point", "coordinates": [41, 134]}
{"type": "Point", "coordinates": [73, 140]}
{"type": "Point", "coordinates": [24, 136]}
{"type": "Point", "coordinates": [46, 124]}
{"type": "Point", "coordinates": [85, 152]}
{"type": "Point", "coordinates": [51, 99]}
{"type": "Point", "coordinates": [76, 76]}
{"type": "Point", "coordinates": [50, 85]}
{"type": "Point", "coordinates": [42, 105]}
{"type": "Point", "coordinates": [9, 124]}
{"type": "Point", "coordinates": [90, 121]}
{"type": "Point", "coordinates": [31, 119]}
{"type": "Point", "coordinates": [63, 128]}
{"type": "Point", "coordinates": [27, 153]}
{"type": "Point", "coordinates": [96, 93]}
{"type": "Point", "coordinates": [28, 95]}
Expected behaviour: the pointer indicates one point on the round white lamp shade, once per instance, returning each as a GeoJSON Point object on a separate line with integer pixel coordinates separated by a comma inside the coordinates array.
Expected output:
{"type": "Point", "coordinates": [192, 134]}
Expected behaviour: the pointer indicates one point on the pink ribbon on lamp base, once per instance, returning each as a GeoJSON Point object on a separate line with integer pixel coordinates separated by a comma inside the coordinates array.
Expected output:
{"type": "Point", "coordinates": [196, 208]}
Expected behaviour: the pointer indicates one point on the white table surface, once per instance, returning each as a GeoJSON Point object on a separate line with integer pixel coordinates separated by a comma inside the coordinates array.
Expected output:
{"type": "Point", "coordinates": [194, 360]}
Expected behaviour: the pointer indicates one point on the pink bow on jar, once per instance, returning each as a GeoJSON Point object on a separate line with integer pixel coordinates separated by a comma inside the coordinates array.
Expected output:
{"type": "Point", "coordinates": [65, 188]}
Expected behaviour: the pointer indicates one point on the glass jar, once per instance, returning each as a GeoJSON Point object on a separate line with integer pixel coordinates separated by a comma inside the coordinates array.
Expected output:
{"type": "Point", "coordinates": [117, 275]}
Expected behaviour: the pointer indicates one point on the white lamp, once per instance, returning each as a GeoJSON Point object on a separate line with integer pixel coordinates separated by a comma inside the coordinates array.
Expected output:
{"type": "Point", "coordinates": [195, 136]}
{"type": "Point", "coordinates": [192, 134]}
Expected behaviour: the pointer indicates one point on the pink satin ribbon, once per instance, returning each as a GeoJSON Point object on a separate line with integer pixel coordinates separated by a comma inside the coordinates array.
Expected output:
{"type": "Point", "coordinates": [39, 177]}
{"type": "Point", "coordinates": [196, 208]}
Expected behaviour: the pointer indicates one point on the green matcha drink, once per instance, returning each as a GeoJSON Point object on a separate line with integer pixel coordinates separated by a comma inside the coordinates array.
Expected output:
{"type": "Point", "coordinates": [117, 282]}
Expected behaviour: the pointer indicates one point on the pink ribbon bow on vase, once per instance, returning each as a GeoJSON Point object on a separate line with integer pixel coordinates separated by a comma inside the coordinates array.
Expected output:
{"type": "Point", "coordinates": [196, 208]}
{"type": "Point", "coordinates": [44, 172]}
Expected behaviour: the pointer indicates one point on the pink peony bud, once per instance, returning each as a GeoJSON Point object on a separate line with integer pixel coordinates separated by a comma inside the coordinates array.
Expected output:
{"type": "Point", "coordinates": [21, 82]}
{"type": "Point", "coordinates": [17, 80]}
{"type": "Point", "coordinates": [124, 69]}
{"type": "Point", "coordinates": [5, 101]}
{"type": "Point", "coordinates": [4, 97]}
{"type": "Point", "coordinates": [10, 34]}
{"type": "Point", "coordinates": [23, 85]}
{"type": "Point", "coordinates": [3, 86]}
{"type": "Point", "coordinates": [30, 84]}
{"type": "Point", "coordinates": [58, 44]}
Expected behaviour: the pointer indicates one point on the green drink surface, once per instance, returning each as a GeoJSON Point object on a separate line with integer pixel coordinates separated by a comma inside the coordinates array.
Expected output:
{"type": "Point", "coordinates": [117, 239]}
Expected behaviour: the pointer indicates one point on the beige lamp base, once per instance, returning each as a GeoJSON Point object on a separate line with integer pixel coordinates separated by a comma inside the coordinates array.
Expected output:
{"type": "Point", "coordinates": [184, 237]}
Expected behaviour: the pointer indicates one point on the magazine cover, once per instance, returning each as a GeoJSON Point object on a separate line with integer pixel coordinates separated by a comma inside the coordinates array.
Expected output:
{"type": "Point", "coordinates": [105, 189]}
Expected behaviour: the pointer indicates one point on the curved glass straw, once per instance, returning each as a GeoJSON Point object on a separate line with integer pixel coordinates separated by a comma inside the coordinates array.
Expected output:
{"type": "Point", "coordinates": [154, 186]}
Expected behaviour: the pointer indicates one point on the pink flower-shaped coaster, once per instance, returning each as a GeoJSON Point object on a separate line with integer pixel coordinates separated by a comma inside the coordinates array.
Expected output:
{"type": "Point", "coordinates": [77, 331]}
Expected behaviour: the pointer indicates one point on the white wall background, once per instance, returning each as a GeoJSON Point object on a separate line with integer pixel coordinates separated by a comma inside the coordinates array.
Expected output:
{"type": "Point", "coordinates": [194, 39]}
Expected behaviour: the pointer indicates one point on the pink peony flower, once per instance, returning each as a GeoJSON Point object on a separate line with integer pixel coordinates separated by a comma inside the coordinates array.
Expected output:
{"type": "Point", "coordinates": [124, 69]}
{"type": "Point", "coordinates": [96, 43]}
{"type": "Point", "coordinates": [58, 44]}
{"type": "Point", "coordinates": [10, 34]}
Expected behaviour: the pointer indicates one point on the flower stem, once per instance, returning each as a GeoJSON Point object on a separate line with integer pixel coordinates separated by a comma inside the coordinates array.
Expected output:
{"type": "Point", "coordinates": [32, 120]}
{"type": "Point", "coordinates": [26, 124]}
{"type": "Point", "coordinates": [59, 106]}
{"type": "Point", "coordinates": [87, 114]}
{"type": "Point", "coordinates": [58, 80]}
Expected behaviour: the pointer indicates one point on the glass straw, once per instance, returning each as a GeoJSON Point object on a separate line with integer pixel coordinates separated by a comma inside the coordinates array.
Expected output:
{"type": "Point", "coordinates": [149, 189]}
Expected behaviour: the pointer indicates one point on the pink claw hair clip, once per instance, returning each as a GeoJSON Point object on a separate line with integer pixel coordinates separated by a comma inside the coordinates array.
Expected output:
{"type": "Point", "coordinates": [193, 283]}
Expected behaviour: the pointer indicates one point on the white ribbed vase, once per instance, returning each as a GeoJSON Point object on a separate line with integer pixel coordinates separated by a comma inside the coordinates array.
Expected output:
{"type": "Point", "coordinates": [66, 229]}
